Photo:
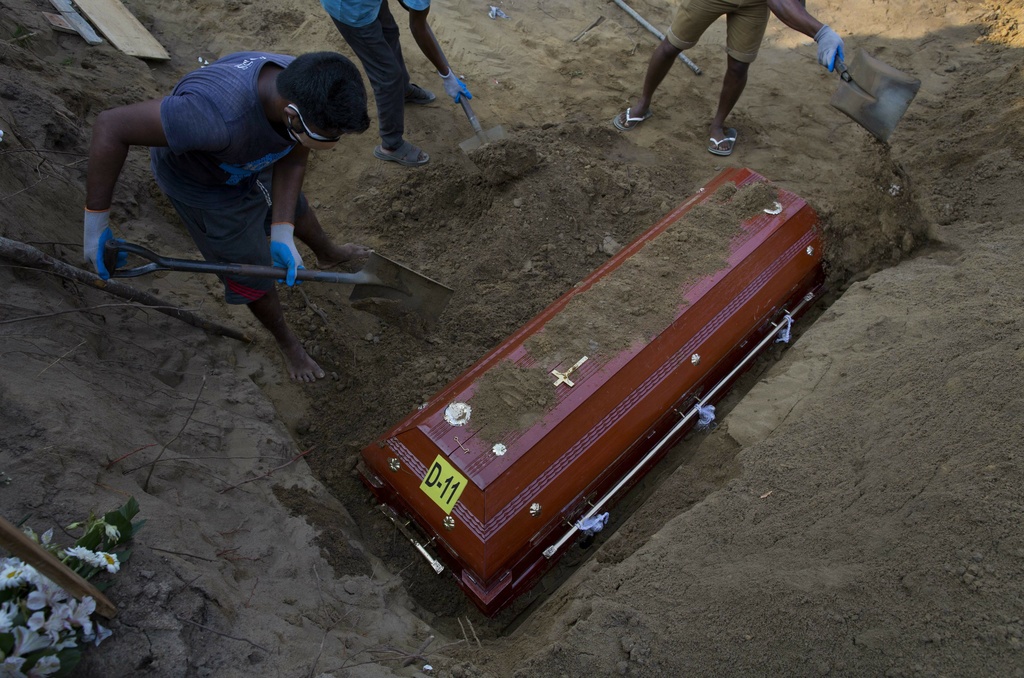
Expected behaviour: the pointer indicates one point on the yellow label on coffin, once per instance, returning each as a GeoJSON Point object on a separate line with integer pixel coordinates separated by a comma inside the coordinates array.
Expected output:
{"type": "Point", "coordinates": [443, 484]}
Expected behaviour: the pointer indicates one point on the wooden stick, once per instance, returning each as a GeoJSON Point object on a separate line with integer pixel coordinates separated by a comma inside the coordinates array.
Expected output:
{"type": "Point", "coordinates": [18, 543]}
{"type": "Point", "coordinates": [268, 473]}
{"type": "Point", "coordinates": [418, 655]}
{"type": "Point", "coordinates": [597, 22]}
{"type": "Point", "coordinates": [219, 633]}
{"type": "Point", "coordinates": [29, 256]}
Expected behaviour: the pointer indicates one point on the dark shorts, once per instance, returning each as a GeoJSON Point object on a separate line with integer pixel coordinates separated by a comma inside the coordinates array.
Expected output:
{"type": "Point", "coordinates": [746, 21]}
{"type": "Point", "coordinates": [237, 234]}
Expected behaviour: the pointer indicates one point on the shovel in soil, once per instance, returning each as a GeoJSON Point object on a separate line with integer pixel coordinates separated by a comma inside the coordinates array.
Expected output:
{"type": "Point", "coordinates": [384, 287]}
{"type": "Point", "coordinates": [874, 94]}
{"type": "Point", "coordinates": [481, 137]}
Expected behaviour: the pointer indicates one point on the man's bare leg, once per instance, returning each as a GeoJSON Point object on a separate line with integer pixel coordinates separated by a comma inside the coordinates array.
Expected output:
{"type": "Point", "coordinates": [268, 311]}
{"type": "Point", "coordinates": [665, 54]}
{"type": "Point", "coordinates": [309, 231]}
{"type": "Point", "coordinates": [733, 83]}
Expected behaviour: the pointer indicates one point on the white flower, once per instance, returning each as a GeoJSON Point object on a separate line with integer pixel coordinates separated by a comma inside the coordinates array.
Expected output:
{"type": "Point", "coordinates": [82, 553]}
{"type": "Point", "coordinates": [36, 621]}
{"type": "Point", "coordinates": [112, 532]}
{"type": "Point", "coordinates": [95, 558]}
{"type": "Point", "coordinates": [11, 668]}
{"type": "Point", "coordinates": [57, 624]}
{"type": "Point", "coordinates": [8, 611]}
{"type": "Point", "coordinates": [79, 612]}
{"type": "Point", "coordinates": [26, 641]}
{"type": "Point", "coordinates": [109, 561]}
{"type": "Point", "coordinates": [47, 594]}
{"type": "Point", "coordinates": [47, 537]}
{"type": "Point", "coordinates": [47, 665]}
{"type": "Point", "coordinates": [14, 574]}
{"type": "Point", "coordinates": [101, 635]}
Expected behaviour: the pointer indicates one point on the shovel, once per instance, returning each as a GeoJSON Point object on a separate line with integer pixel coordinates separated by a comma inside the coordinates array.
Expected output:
{"type": "Point", "coordinates": [481, 137]}
{"type": "Point", "coordinates": [874, 94]}
{"type": "Point", "coordinates": [402, 291]}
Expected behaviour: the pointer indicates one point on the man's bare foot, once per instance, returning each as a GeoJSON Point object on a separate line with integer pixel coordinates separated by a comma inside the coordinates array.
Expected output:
{"type": "Point", "coordinates": [349, 253]}
{"type": "Point", "coordinates": [300, 366]}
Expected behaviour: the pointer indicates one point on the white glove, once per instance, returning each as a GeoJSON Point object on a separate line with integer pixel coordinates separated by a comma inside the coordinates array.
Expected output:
{"type": "Point", "coordinates": [282, 249]}
{"type": "Point", "coordinates": [830, 46]}
{"type": "Point", "coordinates": [454, 87]}
{"type": "Point", "coordinates": [95, 223]}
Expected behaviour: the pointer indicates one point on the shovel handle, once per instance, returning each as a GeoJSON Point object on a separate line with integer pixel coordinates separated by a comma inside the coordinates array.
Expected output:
{"type": "Point", "coordinates": [844, 73]}
{"type": "Point", "coordinates": [160, 263]}
{"type": "Point", "coordinates": [471, 115]}
{"type": "Point", "coordinates": [18, 543]}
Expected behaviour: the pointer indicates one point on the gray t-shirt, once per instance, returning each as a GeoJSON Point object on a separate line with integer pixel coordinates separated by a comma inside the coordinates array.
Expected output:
{"type": "Point", "coordinates": [219, 138]}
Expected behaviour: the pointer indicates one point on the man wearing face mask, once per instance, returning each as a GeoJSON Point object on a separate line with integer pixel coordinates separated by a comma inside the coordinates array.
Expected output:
{"type": "Point", "coordinates": [229, 148]}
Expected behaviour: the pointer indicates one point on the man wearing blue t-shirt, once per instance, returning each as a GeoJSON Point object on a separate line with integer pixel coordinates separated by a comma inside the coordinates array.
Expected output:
{"type": "Point", "coordinates": [229, 147]}
{"type": "Point", "coordinates": [370, 30]}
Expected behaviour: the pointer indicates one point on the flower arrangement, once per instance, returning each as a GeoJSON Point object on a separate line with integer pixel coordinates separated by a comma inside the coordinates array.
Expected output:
{"type": "Point", "coordinates": [42, 628]}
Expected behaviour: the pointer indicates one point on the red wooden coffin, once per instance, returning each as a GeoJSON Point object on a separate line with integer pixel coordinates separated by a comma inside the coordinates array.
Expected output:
{"type": "Point", "coordinates": [496, 505]}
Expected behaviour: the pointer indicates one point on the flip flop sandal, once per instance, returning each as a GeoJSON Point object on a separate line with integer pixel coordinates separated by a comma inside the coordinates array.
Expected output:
{"type": "Point", "coordinates": [730, 138]}
{"type": "Point", "coordinates": [406, 154]}
{"type": "Point", "coordinates": [629, 122]}
{"type": "Point", "coordinates": [418, 96]}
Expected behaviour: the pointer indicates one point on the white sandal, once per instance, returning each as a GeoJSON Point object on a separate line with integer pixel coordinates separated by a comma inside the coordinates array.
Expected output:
{"type": "Point", "coordinates": [630, 122]}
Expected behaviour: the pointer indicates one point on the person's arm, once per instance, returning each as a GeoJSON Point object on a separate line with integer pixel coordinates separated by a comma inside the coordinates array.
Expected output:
{"type": "Point", "coordinates": [795, 15]}
{"type": "Point", "coordinates": [289, 173]}
{"type": "Point", "coordinates": [426, 40]}
{"type": "Point", "coordinates": [114, 132]}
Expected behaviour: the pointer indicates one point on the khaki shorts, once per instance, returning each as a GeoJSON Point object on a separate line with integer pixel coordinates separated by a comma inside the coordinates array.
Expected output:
{"type": "Point", "coordinates": [746, 21]}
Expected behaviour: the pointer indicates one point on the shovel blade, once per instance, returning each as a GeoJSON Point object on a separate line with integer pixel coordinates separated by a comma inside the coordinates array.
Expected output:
{"type": "Point", "coordinates": [877, 95]}
{"type": "Point", "coordinates": [400, 295]}
{"type": "Point", "coordinates": [483, 137]}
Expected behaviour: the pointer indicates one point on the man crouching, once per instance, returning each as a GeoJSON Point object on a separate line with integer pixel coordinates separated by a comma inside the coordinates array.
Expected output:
{"type": "Point", "coordinates": [229, 148]}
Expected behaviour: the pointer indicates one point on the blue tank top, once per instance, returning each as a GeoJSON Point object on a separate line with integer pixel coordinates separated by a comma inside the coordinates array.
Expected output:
{"type": "Point", "coordinates": [219, 138]}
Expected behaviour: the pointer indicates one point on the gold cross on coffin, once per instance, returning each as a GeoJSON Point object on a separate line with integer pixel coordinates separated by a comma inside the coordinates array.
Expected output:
{"type": "Point", "coordinates": [563, 377]}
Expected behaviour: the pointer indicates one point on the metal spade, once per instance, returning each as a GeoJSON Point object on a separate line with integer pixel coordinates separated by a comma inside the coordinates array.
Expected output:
{"type": "Point", "coordinates": [874, 94]}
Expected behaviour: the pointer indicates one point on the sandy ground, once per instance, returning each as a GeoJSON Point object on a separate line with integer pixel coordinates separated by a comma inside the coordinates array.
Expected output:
{"type": "Point", "coordinates": [857, 512]}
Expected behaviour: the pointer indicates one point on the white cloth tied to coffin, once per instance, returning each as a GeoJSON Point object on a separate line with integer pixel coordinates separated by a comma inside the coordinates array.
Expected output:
{"type": "Point", "coordinates": [592, 524]}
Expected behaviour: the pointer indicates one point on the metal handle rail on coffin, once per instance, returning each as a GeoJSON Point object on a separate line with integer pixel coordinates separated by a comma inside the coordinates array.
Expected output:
{"type": "Point", "coordinates": [554, 548]}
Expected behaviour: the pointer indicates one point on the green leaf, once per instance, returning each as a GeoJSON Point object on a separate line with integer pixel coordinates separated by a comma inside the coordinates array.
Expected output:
{"type": "Point", "coordinates": [69, 658]}
{"type": "Point", "coordinates": [122, 556]}
{"type": "Point", "coordinates": [137, 525]}
{"type": "Point", "coordinates": [130, 509]}
{"type": "Point", "coordinates": [91, 539]}
{"type": "Point", "coordinates": [123, 525]}
{"type": "Point", "coordinates": [6, 642]}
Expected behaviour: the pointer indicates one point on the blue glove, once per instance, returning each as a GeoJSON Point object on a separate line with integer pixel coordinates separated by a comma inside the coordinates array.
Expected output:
{"type": "Point", "coordinates": [95, 235]}
{"type": "Point", "coordinates": [283, 252]}
{"type": "Point", "coordinates": [830, 46]}
{"type": "Point", "coordinates": [454, 87]}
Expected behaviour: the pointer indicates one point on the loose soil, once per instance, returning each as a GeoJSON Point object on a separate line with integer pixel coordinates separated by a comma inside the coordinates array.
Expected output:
{"type": "Point", "coordinates": [856, 511]}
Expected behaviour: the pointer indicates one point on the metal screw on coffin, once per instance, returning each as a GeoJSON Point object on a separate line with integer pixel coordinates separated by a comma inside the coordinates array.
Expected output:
{"type": "Point", "coordinates": [695, 359]}
{"type": "Point", "coordinates": [810, 250]}
{"type": "Point", "coordinates": [394, 464]}
{"type": "Point", "coordinates": [535, 509]}
{"type": "Point", "coordinates": [499, 450]}
{"type": "Point", "coordinates": [449, 523]}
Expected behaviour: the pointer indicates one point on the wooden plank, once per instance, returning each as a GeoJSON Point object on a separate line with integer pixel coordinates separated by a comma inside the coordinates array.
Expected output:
{"type": "Point", "coordinates": [75, 20]}
{"type": "Point", "coordinates": [59, 23]}
{"type": "Point", "coordinates": [122, 29]}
